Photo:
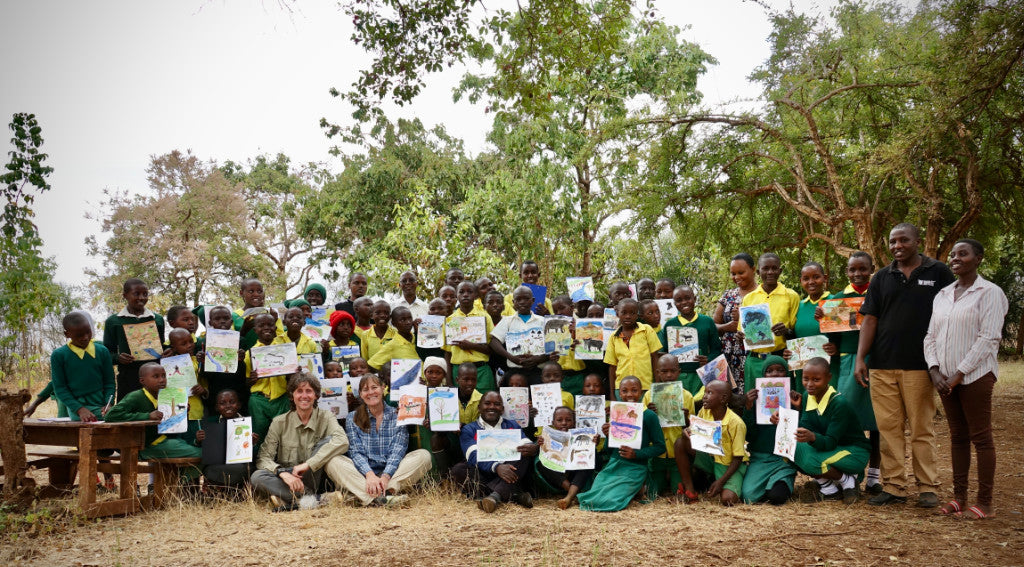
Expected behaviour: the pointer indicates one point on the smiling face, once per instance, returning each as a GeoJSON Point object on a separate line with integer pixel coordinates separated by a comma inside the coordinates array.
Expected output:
{"type": "Point", "coordinates": [381, 314]}
{"type": "Point", "coordinates": [630, 390]}
{"type": "Point", "coordinates": [685, 301]}
{"type": "Point", "coordinates": [813, 280]}
{"type": "Point", "coordinates": [220, 318]}
{"type": "Point", "coordinates": [294, 320]}
{"type": "Point", "coordinates": [530, 273]}
{"type": "Point", "coordinates": [769, 268]}
{"type": "Point", "coordinates": [136, 298]}
{"type": "Point", "coordinates": [79, 335]}
{"type": "Point", "coordinates": [314, 297]}
{"type": "Point", "coordinates": [252, 294]}
{"type": "Point", "coordinates": [816, 379]}
{"type": "Point", "coordinates": [716, 395]}
{"type": "Point", "coordinates": [265, 326]}
{"type": "Point", "coordinates": [304, 397]}
{"type": "Point", "coordinates": [963, 260]}
{"type": "Point", "coordinates": [563, 419]}
{"type": "Point", "coordinates": [407, 282]}
{"type": "Point", "coordinates": [522, 300]}
{"type": "Point", "coordinates": [227, 404]}
{"type": "Point", "coordinates": [357, 286]}
{"type": "Point", "coordinates": [491, 408]}
{"type": "Point", "coordinates": [742, 274]}
{"type": "Point", "coordinates": [371, 392]}
{"type": "Point", "coordinates": [484, 286]}
{"type": "Point", "coordinates": [903, 244]}
{"type": "Point", "coordinates": [858, 271]}
{"type": "Point", "coordinates": [333, 370]}
{"type": "Point", "coordinates": [358, 367]}
{"type": "Point", "coordinates": [466, 381]}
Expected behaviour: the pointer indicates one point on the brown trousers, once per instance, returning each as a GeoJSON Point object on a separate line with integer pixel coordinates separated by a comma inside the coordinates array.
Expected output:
{"type": "Point", "coordinates": [969, 413]}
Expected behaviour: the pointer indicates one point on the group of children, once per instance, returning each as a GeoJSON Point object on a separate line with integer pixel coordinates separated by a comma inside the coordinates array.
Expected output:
{"type": "Point", "coordinates": [832, 448]}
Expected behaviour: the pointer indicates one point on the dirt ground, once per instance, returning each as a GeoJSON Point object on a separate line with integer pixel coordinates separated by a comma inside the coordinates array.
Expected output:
{"type": "Point", "coordinates": [443, 529]}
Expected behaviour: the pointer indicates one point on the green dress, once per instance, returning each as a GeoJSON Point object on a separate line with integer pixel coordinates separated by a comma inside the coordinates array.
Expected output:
{"type": "Point", "coordinates": [765, 468]}
{"type": "Point", "coordinates": [620, 480]}
{"type": "Point", "coordinates": [806, 326]}
{"type": "Point", "coordinates": [709, 345]}
{"type": "Point", "coordinates": [858, 397]}
{"type": "Point", "coordinates": [839, 440]}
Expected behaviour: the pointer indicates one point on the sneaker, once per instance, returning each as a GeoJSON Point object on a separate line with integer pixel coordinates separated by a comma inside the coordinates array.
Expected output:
{"type": "Point", "coordinates": [873, 489]}
{"type": "Point", "coordinates": [885, 499]}
{"type": "Point", "coordinates": [927, 500]}
{"type": "Point", "coordinates": [850, 496]}
{"type": "Point", "coordinates": [524, 499]}
{"type": "Point", "coordinates": [378, 501]}
{"type": "Point", "coordinates": [489, 503]}
{"type": "Point", "coordinates": [397, 501]}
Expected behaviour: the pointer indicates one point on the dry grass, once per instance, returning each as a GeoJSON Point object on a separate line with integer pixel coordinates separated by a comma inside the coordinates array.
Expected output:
{"type": "Point", "coordinates": [445, 529]}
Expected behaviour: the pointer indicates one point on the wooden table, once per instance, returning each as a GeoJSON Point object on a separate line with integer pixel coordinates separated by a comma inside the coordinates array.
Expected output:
{"type": "Point", "coordinates": [127, 438]}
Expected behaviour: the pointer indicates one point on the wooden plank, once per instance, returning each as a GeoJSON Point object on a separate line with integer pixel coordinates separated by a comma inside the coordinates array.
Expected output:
{"type": "Point", "coordinates": [86, 470]}
{"type": "Point", "coordinates": [118, 507]}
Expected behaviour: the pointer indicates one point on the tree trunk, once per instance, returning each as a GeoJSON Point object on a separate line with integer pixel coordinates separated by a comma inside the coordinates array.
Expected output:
{"type": "Point", "coordinates": [1020, 336]}
{"type": "Point", "coordinates": [18, 490]}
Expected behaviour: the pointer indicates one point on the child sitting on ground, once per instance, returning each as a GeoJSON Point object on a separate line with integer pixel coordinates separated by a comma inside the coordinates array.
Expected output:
{"type": "Point", "coordinates": [727, 470]}
{"type": "Point", "coordinates": [667, 370]}
{"type": "Point", "coordinates": [568, 482]}
{"type": "Point", "coordinates": [234, 475]}
{"type": "Point", "coordinates": [769, 477]}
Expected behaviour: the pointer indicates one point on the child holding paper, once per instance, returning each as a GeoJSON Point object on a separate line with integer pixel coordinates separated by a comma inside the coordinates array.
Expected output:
{"type": "Point", "coordinates": [221, 319]}
{"type": "Point", "coordinates": [709, 344]}
{"type": "Point", "coordinates": [180, 342]}
{"type": "Point", "coordinates": [267, 398]}
{"type": "Point", "coordinates": [253, 298]}
{"type": "Point", "coordinates": [374, 338]}
{"type": "Point", "coordinates": [568, 482]}
{"type": "Point", "coordinates": [625, 475]}
{"type": "Point", "coordinates": [402, 344]}
{"type": "Point", "coordinates": [633, 348]}
{"type": "Point", "coordinates": [342, 333]}
{"type": "Point", "coordinates": [665, 465]}
{"type": "Point", "coordinates": [726, 470]}
{"type": "Point", "coordinates": [443, 445]}
{"type": "Point", "coordinates": [233, 475]}
{"type": "Point", "coordinates": [522, 320]}
{"type": "Point", "coordinates": [573, 369]}
{"type": "Point", "coordinates": [769, 477]}
{"type": "Point", "coordinates": [466, 351]}
{"type": "Point", "coordinates": [136, 295]}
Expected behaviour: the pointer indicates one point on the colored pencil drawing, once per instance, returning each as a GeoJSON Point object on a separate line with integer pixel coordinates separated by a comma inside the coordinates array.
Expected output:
{"type": "Point", "coordinates": [545, 398]}
{"type": "Point", "coordinates": [274, 360]}
{"type": "Point", "coordinates": [333, 396]}
{"type": "Point", "coordinates": [626, 425]}
{"type": "Point", "coordinates": [221, 351]}
{"type": "Point", "coordinates": [143, 340]}
{"type": "Point", "coordinates": [180, 371]}
{"type": "Point", "coordinates": [806, 348]}
{"type": "Point", "coordinates": [403, 372]}
{"type": "Point", "coordinates": [668, 398]}
{"type": "Point", "coordinates": [312, 363]}
{"type": "Point", "coordinates": [590, 339]}
{"type": "Point", "coordinates": [472, 329]}
{"type": "Point", "coordinates": [582, 449]}
{"type": "Point", "coordinates": [498, 445]}
{"type": "Point", "coordinates": [841, 314]}
{"type": "Point", "coordinates": [757, 326]}
{"type": "Point", "coordinates": [717, 369]}
{"type": "Point", "coordinates": [590, 412]}
{"type": "Point", "coordinates": [668, 310]}
{"type": "Point", "coordinates": [682, 343]}
{"type": "Point", "coordinates": [557, 334]}
{"type": "Point", "coordinates": [412, 404]}
{"type": "Point", "coordinates": [517, 404]}
{"type": "Point", "coordinates": [525, 341]}
{"type": "Point", "coordinates": [443, 405]}
{"type": "Point", "coordinates": [317, 332]}
{"type": "Point", "coordinates": [430, 333]}
{"type": "Point", "coordinates": [173, 403]}
{"type": "Point", "coordinates": [785, 433]}
{"type": "Point", "coordinates": [772, 394]}
{"type": "Point", "coordinates": [580, 289]}
{"type": "Point", "coordinates": [344, 355]}
{"type": "Point", "coordinates": [554, 452]}
{"type": "Point", "coordinates": [706, 436]}
{"type": "Point", "coordinates": [239, 441]}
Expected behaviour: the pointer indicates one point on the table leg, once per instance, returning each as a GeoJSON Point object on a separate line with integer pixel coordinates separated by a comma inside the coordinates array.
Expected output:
{"type": "Point", "coordinates": [87, 459]}
{"type": "Point", "coordinates": [129, 471]}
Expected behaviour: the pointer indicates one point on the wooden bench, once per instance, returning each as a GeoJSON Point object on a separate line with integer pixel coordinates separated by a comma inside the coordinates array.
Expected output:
{"type": "Point", "coordinates": [62, 465]}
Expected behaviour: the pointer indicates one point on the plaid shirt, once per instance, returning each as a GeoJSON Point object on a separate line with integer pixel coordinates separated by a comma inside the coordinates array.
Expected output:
{"type": "Point", "coordinates": [380, 449]}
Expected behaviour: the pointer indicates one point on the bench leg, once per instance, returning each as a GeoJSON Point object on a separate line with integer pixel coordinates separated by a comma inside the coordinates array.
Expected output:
{"type": "Point", "coordinates": [164, 484]}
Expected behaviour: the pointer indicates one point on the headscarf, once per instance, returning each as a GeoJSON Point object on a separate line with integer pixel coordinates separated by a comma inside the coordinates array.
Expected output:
{"type": "Point", "coordinates": [775, 359]}
{"type": "Point", "coordinates": [289, 303]}
{"type": "Point", "coordinates": [435, 361]}
{"type": "Point", "coordinates": [317, 287]}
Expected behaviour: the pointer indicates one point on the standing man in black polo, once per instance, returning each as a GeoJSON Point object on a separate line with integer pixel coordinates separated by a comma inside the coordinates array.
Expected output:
{"type": "Point", "coordinates": [896, 312]}
{"type": "Point", "coordinates": [356, 288]}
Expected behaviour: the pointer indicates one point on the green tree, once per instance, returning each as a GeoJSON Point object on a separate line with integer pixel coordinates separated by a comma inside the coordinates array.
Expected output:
{"type": "Point", "coordinates": [27, 288]}
{"type": "Point", "coordinates": [186, 237]}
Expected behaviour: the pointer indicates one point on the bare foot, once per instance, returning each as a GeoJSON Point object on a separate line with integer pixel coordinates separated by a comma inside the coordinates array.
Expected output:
{"type": "Point", "coordinates": [563, 503]}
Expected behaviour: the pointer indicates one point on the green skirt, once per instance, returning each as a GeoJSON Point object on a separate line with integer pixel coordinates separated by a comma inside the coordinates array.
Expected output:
{"type": "Point", "coordinates": [615, 486]}
{"type": "Point", "coordinates": [850, 459]}
{"type": "Point", "coordinates": [856, 396]}
{"type": "Point", "coordinates": [763, 471]}
{"type": "Point", "coordinates": [485, 379]}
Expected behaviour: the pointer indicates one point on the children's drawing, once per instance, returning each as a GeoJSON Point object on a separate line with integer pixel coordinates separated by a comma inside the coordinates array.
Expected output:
{"type": "Point", "coordinates": [318, 316]}
{"type": "Point", "coordinates": [806, 348]}
{"type": "Point", "coordinates": [403, 372]}
{"type": "Point", "coordinates": [554, 453]}
{"type": "Point", "coordinates": [239, 444]}
{"type": "Point", "coordinates": [590, 337]}
{"type": "Point", "coordinates": [498, 445]}
{"type": "Point", "coordinates": [785, 433]}
{"type": "Point", "coordinates": [841, 314]}
{"type": "Point", "coordinates": [590, 412]}
{"type": "Point", "coordinates": [683, 343]}
{"type": "Point", "coordinates": [668, 310]}
{"type": "Point", "coordinates": [610, 323]}
{"type": "Point", "coordinates": [221, 351]}
{"type": "Point", "coordinates": [668, 398]}
{"type": "Point", "coordinates": [472, 329]}
{"type": "Point", "coordinates": [180, 371]}
{"type": "Point", "coordinates": [626, 425]}
{"type": "Point", "coordinates": [526, 339]}
{"type": "Point", "coordinates": [333, 396]}
{"type": "Point", "coordinates": [173, 403]}
{"type": "Point", "coordinates": [772, 394]}
{"type": "Point", "coordinates": [717, 369]}
{"type": "Point", "coordinates": [580, 289]}
{"type": "Point", "coordinates": [274, 360]}
{"type": "Point", "coordinates": [557, 334]}
{"type": "Point", "coordinates": [517, 404]}
{"type": "Point", "coordinates": [545, 397]}
{"type": "Point", "coordinates": [412, 404]}
{"type": "Point", "coordinates": [317, 332]}
{"type": "Point", "coordinates": [582, 449]}
{"type": "Point", "coordinates": [757, 326]}
{"type": "Point", "coordinates": [430, 333]}
{"type": "Point", "coordinates": [256, 311]}
{"type": "Point", "coordinates": [143, 340]}
{"type": "Point", "coordinates": [706, 436]}
{"type": "Point", "coordinates": [443, 405]}
{"type": "Point", "coordinates": [312, 363]}
{"type": "Point", "coordinates": [344, 355]}
{"type": "Point", "coordinates": [540, 293]}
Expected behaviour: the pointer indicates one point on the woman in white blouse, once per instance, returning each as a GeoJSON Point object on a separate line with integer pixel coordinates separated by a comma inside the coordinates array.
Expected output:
{"type": "Point", "coordinates": [960, 348]}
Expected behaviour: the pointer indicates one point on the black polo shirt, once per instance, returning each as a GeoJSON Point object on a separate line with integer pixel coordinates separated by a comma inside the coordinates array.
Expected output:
{"type": "Point", "coordinates": [347, 305]}
{"type": "Point", "coordinates": [903, 307]}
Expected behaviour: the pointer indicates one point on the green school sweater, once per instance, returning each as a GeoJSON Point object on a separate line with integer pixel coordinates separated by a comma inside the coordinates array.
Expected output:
{"type": "Point", "coordinates": [82, 382]}
{"type": "Point", "coordinates": [116, 343]}
{"type": "Point", "coordinates": [136, 406]}
{"type": "Point", "coordinates": [709, 343]}
{"type": "Point", "coordinates": [837, 426]}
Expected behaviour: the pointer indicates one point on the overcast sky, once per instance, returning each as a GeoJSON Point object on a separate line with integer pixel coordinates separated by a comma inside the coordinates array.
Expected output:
{"type": "Point", "coordinates": [114, 82]}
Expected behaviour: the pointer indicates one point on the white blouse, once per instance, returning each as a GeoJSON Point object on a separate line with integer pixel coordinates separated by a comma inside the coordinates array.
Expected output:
{"type": "Point", "coordinates": [964, 333]}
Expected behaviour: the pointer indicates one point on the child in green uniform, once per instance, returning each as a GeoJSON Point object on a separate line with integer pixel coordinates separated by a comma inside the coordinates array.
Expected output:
{"type": "Point", "coordinates": [467, 351]}
{"type": "Point", "coordinates": [180, 342]}
{"type": "Point", "coordinates": [709, 344]}
{"type": "Point", "coordinates": [626, 474]}
{"type": "Point", "coordinates": [136, 295]}
{"type": "Point", "coordinates": [253, 297]}
{"type": "Point", "coordinates": [141, 405]}
{"type": "Point", "coordinates": [569, 483]}
{"type": "Point", "coordinates": [727, 470]}
{"type": "Point", "coordinates": [769, 476]}
{"type": "Point", "coordinates": [664, 466]}
{"type": "Point", "coordinates": [82, 372]}
{"type": "Point", "coordinates": [815, 284]}
{"type": "Point", "coordinates": [179, 317]}
{"type": "Point", "coordinates": [444, 447]}
{"type": "Point", "coordinates": [831, 447]}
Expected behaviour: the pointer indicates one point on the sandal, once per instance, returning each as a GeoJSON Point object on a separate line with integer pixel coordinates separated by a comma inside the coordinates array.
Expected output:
{"type": "Point", "coordinates": [975, 513]}
{"type": "Point", "coordinates": [951, 508]}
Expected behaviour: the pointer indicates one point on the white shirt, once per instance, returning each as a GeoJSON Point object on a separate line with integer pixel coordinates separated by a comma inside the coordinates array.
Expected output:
{"type": "Point", "coordinates": [418, 307]}
{"type": "Point", "coordinates": [964, 334]}
{"type": "Point", "coordinates": [515, 325]}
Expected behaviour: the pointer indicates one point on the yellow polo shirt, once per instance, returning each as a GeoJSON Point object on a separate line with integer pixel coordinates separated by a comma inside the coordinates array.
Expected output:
{"type": "Point", "coordinates": [398, 347]}
{"type": "Point", "coordinates": [469, 412]}
{"type": "Point", "coordinates": [734, 435]}
{"type": "Point", "coordinates": [276, 386]}
{"type": "Point", "coordinates": [458, 355]}
{"type": "Point", "coordinates": [633, 359]}
{"type": "Point", "coordinates": [783, 304]}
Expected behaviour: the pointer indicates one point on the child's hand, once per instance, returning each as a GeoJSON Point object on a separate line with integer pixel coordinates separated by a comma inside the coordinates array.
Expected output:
{"type": "Point", "coordinates": [751, 398]}
{"type": "Point", "coordinates": [702, 360]}
{"type": "Point", "coordinates": [795, 399]}
{"type": "Point", "coordinates": [787, 354]}
{"type": "Point", "coordinates": [85, 415]}
{"type": "Point", "coordinates": [652, 407]}
{"type": "Point", "coordinates": [529, 449]}
{"type": "Point", "coordinates": [604, 428]}
{"type": "Point", "coordinates": [167, 352]}
{"type": "Point", "coordinates": [31, 409]}
{"type": "Point", "coordinates": [542, 309]}
{"type": "Point", "coordinates": [627, 453]}
{"type": "Point", "coordinates": [241, 355]}
{"type": "Point", "coordinates": [805, 435]}
{"type": "Point", "coordinates": [507, 473]}
{"type": "Point", "coordinates": [325, 345]}
{"type": "Point", "coordinates": [540, 441]}
{"type": "Point", "coordinates": [200, 391]}
{"type": "Point", "coordinates": [200, 436]}
{"type": "Point", "coordinates": [831, 349]}
{"type": "Point", "coordinates": [716, 488]}
{"type": "Point", "coordinates": [156, 414]}
{"type": "Point", "coordinates": [201, 355]}
{"type": "Point", "coordinates": [255, 437]}
{"type": "Point", "coordinates": [780, 329]}
{"type": "Point", "coordinates": [533, 412]}
{"type": "Point", "coordinates": [125, 358]}
{"type": "Point", "coordinates": [774, 419]}
{"type": "Point", "coordinates": [819, 313]}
